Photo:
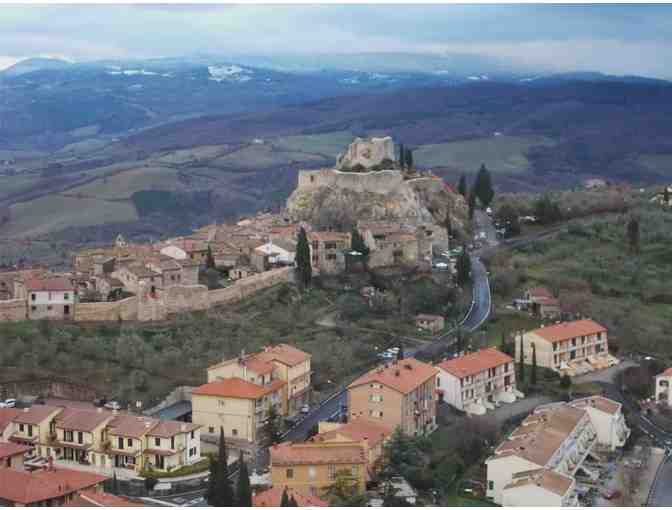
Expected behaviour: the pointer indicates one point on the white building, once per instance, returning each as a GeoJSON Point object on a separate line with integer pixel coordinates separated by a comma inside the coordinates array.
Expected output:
{"type": "Point", "coordinates": [478, 381]}
{"type": "Point", "coordinates": [50, 298]}
{"type": "Point", "coordinates": [663, 383]}
{"type": "Point", "coordinates": [278, 252]}
{"type": "Point", "coordinates": [556, 437]}
{"type": "Point", "coordinates": [540, 487]}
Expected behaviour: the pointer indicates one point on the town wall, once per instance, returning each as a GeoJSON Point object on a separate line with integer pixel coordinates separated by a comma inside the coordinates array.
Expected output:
{"type": "Point", "coordinates": [383, 181]}
{"type": "Point", "coordinates": [247, 286]}
{"type": "Point", "coordinates": [13, 310]}
{"type": "Point", "coordinates": [126, 309]}
{"type": "Point", "coordinates": [182, 298]}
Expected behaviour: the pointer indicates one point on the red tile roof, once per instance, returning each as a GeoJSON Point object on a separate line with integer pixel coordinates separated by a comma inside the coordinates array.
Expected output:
{"type": "Point", "coordinates": [569, 330]}
{"type": "Point", "coordinates": [127, 425]}
{"type": "Point", "coordinates": [89, 498]}
{"type": "Point", "coordinates": [288, 454]}
{"type": "Point", "coordinates": [403, 376]}
{"type": "Point", "coordinates": [475, 362]}
{"type": "Point", "coordinates": [538, 292]}
{"type": "Point", "coordinates": [25, 487]}
{"type": "Point", "coordinates": [36, 414]}
{"type": "Point", "coordinates": [7, 414]}
{"type": "Point", "coordinates": [235, 387]}
{"type": "Point", "coordinates": [359, 429]}
{"type": "Point", "coordinates": [170, 428]}
{"type": "Point", "coordinates": [49, 284]}
{"type": "Point", "coordinates": [284, 353]}
{"type": "Point", "coordinates": [273, 497]}
{"type": "Point", "coordinates": [81, 420]}
{"type": "Point", "coordinates": [11, 449]}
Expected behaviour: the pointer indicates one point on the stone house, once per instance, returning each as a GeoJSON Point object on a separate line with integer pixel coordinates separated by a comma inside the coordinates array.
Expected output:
{"type": "Point", "coordinates": [398, 394]}
{"type": "Point", "coordinates": [327, 251]}
{"type": "Point", "coordinates": [50, 298]}
{"type": "Point", "coordinates": [169, 269]}
{"type": "Point", "coordinates": [429, 322]}
{"type": "Point", "coordinates": [280, 252]}
{"type": "Point", "coordinates": [134, 275]}
{"type": "Point", "coordinates": [541, 302]}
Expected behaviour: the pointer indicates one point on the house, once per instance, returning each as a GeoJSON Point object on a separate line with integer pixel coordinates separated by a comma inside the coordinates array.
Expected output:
{"type": "Point", "coordinates": [312, 467]}
{"type": "Point", "coordinates": [33, 426]}
{"type": "Point", "coordinates": [372, 434]}
{"type": "Point", "coordinates": [390, 243]}
{"type": "Point", "coordinates": [240, 272]}
{"type": "Point", "coordinates": [327, 251]}
{"type": "Point", "coordinates": [281, 361]}
{"type": "Point", "coordinates": [429, 322]}
{"type": "Point", "coordinates": [541, 302]}
{"type": "Point", "coordinates": [478, 381]}
{"type": "Point", "coordinates": [50, 298]}
{"type": "Point", "coordinates": [12, 454]}
{"type": "Point", "coordinates": [568, 347]}
{"type": "Point", "coordinates": [135, 275]}
{"type": "Point", "coordinates": [273, 498]}
{"type": "Point", "coordinates": [398, 394]}
{"type": "Point", "coordinates": [127, 440]}
{"type": "Point", "coordinates": [662, 392]}
{"type": "Point", "coordinates": [238, 406]}
{"type": "Point", "coordinates": [541, 487]}
{"type": "Point", "coordinates": [181, 249]}
{"type": "Point", "coordinates": [557, 437]}
{"type": "Point", "coordinates": [169, 269]}
{"type": "Point", "coordinates": [172, 445]}
{"type": "Point", "coordinates": [79, 436]}
{"type": "Point", "coordinates": [45, 487]}
{"type": "Point", "coordinates": [278, 251]}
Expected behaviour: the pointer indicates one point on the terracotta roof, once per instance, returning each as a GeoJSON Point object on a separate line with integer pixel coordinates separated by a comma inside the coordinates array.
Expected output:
{"type": "Point", "coordinates": [49, 284]}
{"type": "Point", "coordinates": [667, 372]}
{"type": "Point", "coordinates": [545, 478]}
{"type": "Point", "coordinates": [7, 415]}
{"type": "Point", "coordinates": [11, 449]}
{"type": "Point", "coordinates": [170, 428]}
{"type": "Point", "coordinates": [403, 376]}
{"type": "Point", "coordinates": [25, 487]}
{"type": "Point", "coordinates": [475, 362]}
{"type": "Point", "coordinates": [235, 387]}
{"type": "Point", "coordinates": [82, 420]}
{"type": "Point", "coordinates": [538, 292]}
{"type": "Point", "coordinates": [604, 404]}
{"type": "Point", "coordinates": [288, 454]}
{"type": "Point", "coordinates": [329, 236]}
{"type": "Point", "coordinates": [568, 330]}
{"type": "Point", "coordinates": [131, 426]}
{"type": "Point", "coordinates": [36, 414]}
{"type": "Point", "coordinates": [89, 498]}
{"type": "Point", "coordinates": [284, 353]}
{"type": "Point", "coordinates": [359, 429]}
{"type": "Point", "coordinates": [273, 497]}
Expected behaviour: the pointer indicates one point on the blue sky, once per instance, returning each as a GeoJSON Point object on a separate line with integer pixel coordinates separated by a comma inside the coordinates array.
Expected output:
{"type": "Point", "coordinates": [619, 39]}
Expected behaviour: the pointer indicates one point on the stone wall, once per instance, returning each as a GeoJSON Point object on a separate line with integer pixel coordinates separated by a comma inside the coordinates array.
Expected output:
{"type": "Point", "coordinates": [367, 153]}
{"type": "Point", "coordinates": [127, 309]}
{"type": "Point", "coordinates": [247, 286]}
{"type": "Point", "coordinates": [13, 310]}
{"type": "Point", "coordinates": [182, 298]}
{"type": "Point", "coordinates": [383, 181]}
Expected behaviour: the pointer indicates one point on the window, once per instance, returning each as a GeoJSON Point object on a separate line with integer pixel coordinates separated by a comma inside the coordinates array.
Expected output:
{"type": "Point", "coordinates": [68, 435]}
{"type": "Point", "coordinates": [192, 434]}
{"type": "Point", "coordinates": [331, 256]}
{"type": "Point", "coordinates": [129, 442]}
{"type": "Point", "coordinates": [172, 443]}
{"type": "Point", "coordinates": [157, 441]}
{"type": "Point", "coordinates": [66, 296]}
{"type": "Point", "coordinates": [330, 246]}
{"type": "Point", "coordinates": [491, 485]}
{"type": "Point", "coordinates": [234, 432]}
{"type": "Point", "coordinates": [332, 471]}
{"type": "Point", "coordinates": [48, 307]}
{"type": "Point", "coordinates": [30, 430]}
{"type": "Point", "coordinates": [211, 430]}
{"type": "Point", "coordinates": [312, 473]}
{"type": "Point", "coordinates": [33, 308]}
{"type": "Point", "coordinates": [375, 398]}
{"type": "Point", "coordinates": [289, 474]}
{"type": "Point", "coordinates": [120, 443]}
{"type": "Point", "coordinates": [33, 297]}
{"type": "Point", "coordinates": [80, 437]}
{"type": "Point", "coordinates": [354, 470]}
{"type": "Point", "coordinates": [221, 403]}
{"type": "Point", "coordinates": [20, 427]}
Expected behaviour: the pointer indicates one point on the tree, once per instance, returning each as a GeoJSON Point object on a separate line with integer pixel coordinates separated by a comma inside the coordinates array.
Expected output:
{"type": "Point", "coordinates": [483, 186]}
{"type": "Point", "coordinates": [633, 234]}
{"type": "Point", "coordinates": [304, 269]}
{"type": "Point", "coordinates": [462, 186]}
{"type": "Point", "coordinates": [284, 501]}
{"type": "Point", "coordinates": [521, 363]}
{"type": "Point", "coordinates": [463, 268]}
{"type": "Point", "coordinates": [402, 156]}
{"type": "Point", "coordinates": [565, 382]}
{"type": "Point", "coordinates": [220, 493]}
{"type": "Point", "coordinates": [546, 210]}
{"type": "Point", "coordinates": [244, 490]}
{"type": "Point", "coordinates": [271, 428]}
{"type": "Point", "coordinates": [510, 218]}
{"type": "Point", "coordinates": [448, 225]}
{"type": "Point", "coordinates": [533, 375]}
{"type": "Point", "coordinates": [666, 197]}
{"type": "Point", "coordinates": [209, 259]}
{"type": "Point", "coordinates": [292, 501]}
{"type": "Point", "coordinates": [344, 492]}
{"type": "Point", "coordinates": [471, 202]}
{"type": "Point", "coordinates": [505, 346]}
{"type": "Point", "coordinates": [409, 159]}
{"type": "Point", "coordinates": [359, 245]}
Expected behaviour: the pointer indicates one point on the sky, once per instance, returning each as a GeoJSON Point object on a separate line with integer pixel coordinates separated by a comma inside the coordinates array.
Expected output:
{"type": "Point", "coordinates": [615, 39]}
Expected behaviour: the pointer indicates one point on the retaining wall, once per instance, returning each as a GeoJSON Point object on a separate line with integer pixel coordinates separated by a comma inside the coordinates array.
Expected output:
{"type": "Point", "coordinates": [13, 310]}
{"type": "Point", "coordinates": [127, 309]}
{"type": "Point", "coordinates": [184, 298]}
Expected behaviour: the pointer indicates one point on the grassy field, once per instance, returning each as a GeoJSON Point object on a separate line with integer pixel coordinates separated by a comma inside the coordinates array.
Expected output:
{"type": "Point", "coordinates": [501, 154]}
{"type": "Point", "coordinates": [17, 184]}
{"type": "Point", "coordinates": [122, 185]}
{"type": "Point", "coordinates": [198, 153]}
{"type": "Point", "coordinates": [260, 156]}
{"type": "Point", "coordinates": [325, 144]}
{"type": "Point", "coordinates": [56, 212]}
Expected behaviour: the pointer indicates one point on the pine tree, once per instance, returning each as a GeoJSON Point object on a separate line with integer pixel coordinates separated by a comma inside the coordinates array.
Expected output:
{"type": "Point", "coordinates": [402, 156]}
{"type": "Point", "coordinates": [304, 270]}
{"type": "Point", "coordinates": [521, 363]}
{"type": "Point", "coordinates": [284, 501]}
{"type": "Point", "coordinates": [244, 490]}
{"type": "Point", "coordinates": [209, 259]}
{"type": "Point", "coordinates": [223, 492]}
{"type": "Point", "coordinates": [633, 234]}
{"type": "Point", "coordinates": [483, 186]}
{"type": "Point", "coordinates": [212, 482]}
{"type": "Point", "coordinates": [409, 159]}
{"type": "Point", "coordinates": [471, 202]}
{"type": "Point", "coordinates": [533, 375]}
{"type": "Point", "coordinates": [463, 268]}
{"type": "Point", "coordinates": [462, 186]}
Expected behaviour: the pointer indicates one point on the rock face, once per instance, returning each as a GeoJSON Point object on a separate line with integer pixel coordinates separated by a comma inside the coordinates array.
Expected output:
{"type": "Point", "coordinates": [367, 153]}
{"type": "Point", "coordinates": [330, 198]}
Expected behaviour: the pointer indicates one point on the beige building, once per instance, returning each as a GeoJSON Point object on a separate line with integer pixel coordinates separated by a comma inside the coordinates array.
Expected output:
{"type": "Point", "coordinates": [281, 361]}
{"type": "Point", "coordinates": [238, 406]}
{"type": "Point", "coordinates": [662, 392]}
{"type": "Point", "coordinates": [429, 322]}
{"type": "Point", "coordinates": [398, 394]}
{"type": "Point", "coordinates": [312, 467]}
{"type": "Point", "coordinates": [372, 434]}
{"type": "Point", "coordinates": [557, 438]}
{"type": "Point", "coordinates": [568, 347]}
{"type": "Point", "coordinates": [327, 251]}
{"type": "Point", "coordinates": [35, 426]}
{"type": "Point", "coordinates": [79, 435]}
{"type": "Point", "coordinates": [478, 381]}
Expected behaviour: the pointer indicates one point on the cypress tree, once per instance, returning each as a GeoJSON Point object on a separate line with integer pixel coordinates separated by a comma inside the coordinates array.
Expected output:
{"type": "Point", "coordinates": [409, 159]}
{"type": "Point", "coordinates": [633, 234]}
{"type": "Point", "coordinates": [284, 501]}
{"type": "Point", "coordinates": [402, 156]}
{"type": "Point", "coordinates": [359, 245]}
{"type": "Point", "coordinates": [463, 268]}
{"type": "Point", "coordinates": [521, 363]}
{"type": "Point", "coordinates": [471, 202]}
{"type": "Point", "coordinates": [209, 259]}
{"type": "Point", "coordinates": [533, 375]}
{"type": "Point", "coordinates": [504, 346]}
{"type": "Point", "coordinates": [462, 186]}
{"type": "Point", "coordinates": [304, 270]}
{"type": "Point", "coordinates": [244, 490]}
{"type": "Point", "coordinates": [483, 186]}
{"type": "Point", "coordinates": [212, 482]}
{"type": "Point", "coordinates": [292, 501]}
{"type": "Point", "coordinates": [223, 495]}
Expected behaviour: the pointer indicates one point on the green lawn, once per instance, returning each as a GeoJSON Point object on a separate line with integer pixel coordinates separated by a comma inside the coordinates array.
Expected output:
{"type": "Point", "coordinates": [501, 154]}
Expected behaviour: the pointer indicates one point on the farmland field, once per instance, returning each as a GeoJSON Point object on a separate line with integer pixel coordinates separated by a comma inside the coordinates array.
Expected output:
{"type": "Point", "coordinates": [501, 154]}
{"type": "Point", "coordinates": [325, 144]}
{"type": "Point", "coordinates": [124, 184]}
{"type": "Point", "coordinates": [259, 156]}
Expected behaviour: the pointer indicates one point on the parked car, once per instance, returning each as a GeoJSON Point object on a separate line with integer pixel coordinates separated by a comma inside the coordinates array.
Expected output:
{"type": "Point", "coordinates": [305, 409]}
{"type": "Point", "coordinates": [113, 404]}
{"type": "Point", "coordinates": [10, 402]}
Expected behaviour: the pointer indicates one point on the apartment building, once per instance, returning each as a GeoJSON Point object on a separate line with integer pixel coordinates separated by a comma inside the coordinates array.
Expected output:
{"type": "Point", "coordinates": [574, 348]}
{"type": "Point", "coordinates": [372, 434]}
{"type": "Point", "coordinates": [50, 298]}
{"type": "Point", "coordinates": [311, 467]}
{"type": "Point", "coordinates": [555, 438]}
{"type": "Point", "coordinates": [327, 250]}
{"type": "Point", "coordinates": [662, 392]}
{"type": "Point", "coordinates": [398, 394]}
{"type": "Point", "coordinates": [282, 362]}
{"type": "Point", "coordinates": [478, 381]}
{"type": "Point", "coordinates": [238, 406]}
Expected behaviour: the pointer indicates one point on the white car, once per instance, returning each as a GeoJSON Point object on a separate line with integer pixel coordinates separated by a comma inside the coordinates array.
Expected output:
{"type": "Point", "coordinates": [10, 402]}
{"type": "Point", "coordinates": [305, 409]}
{"type": "Point", "coordinates": [113, 404]}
